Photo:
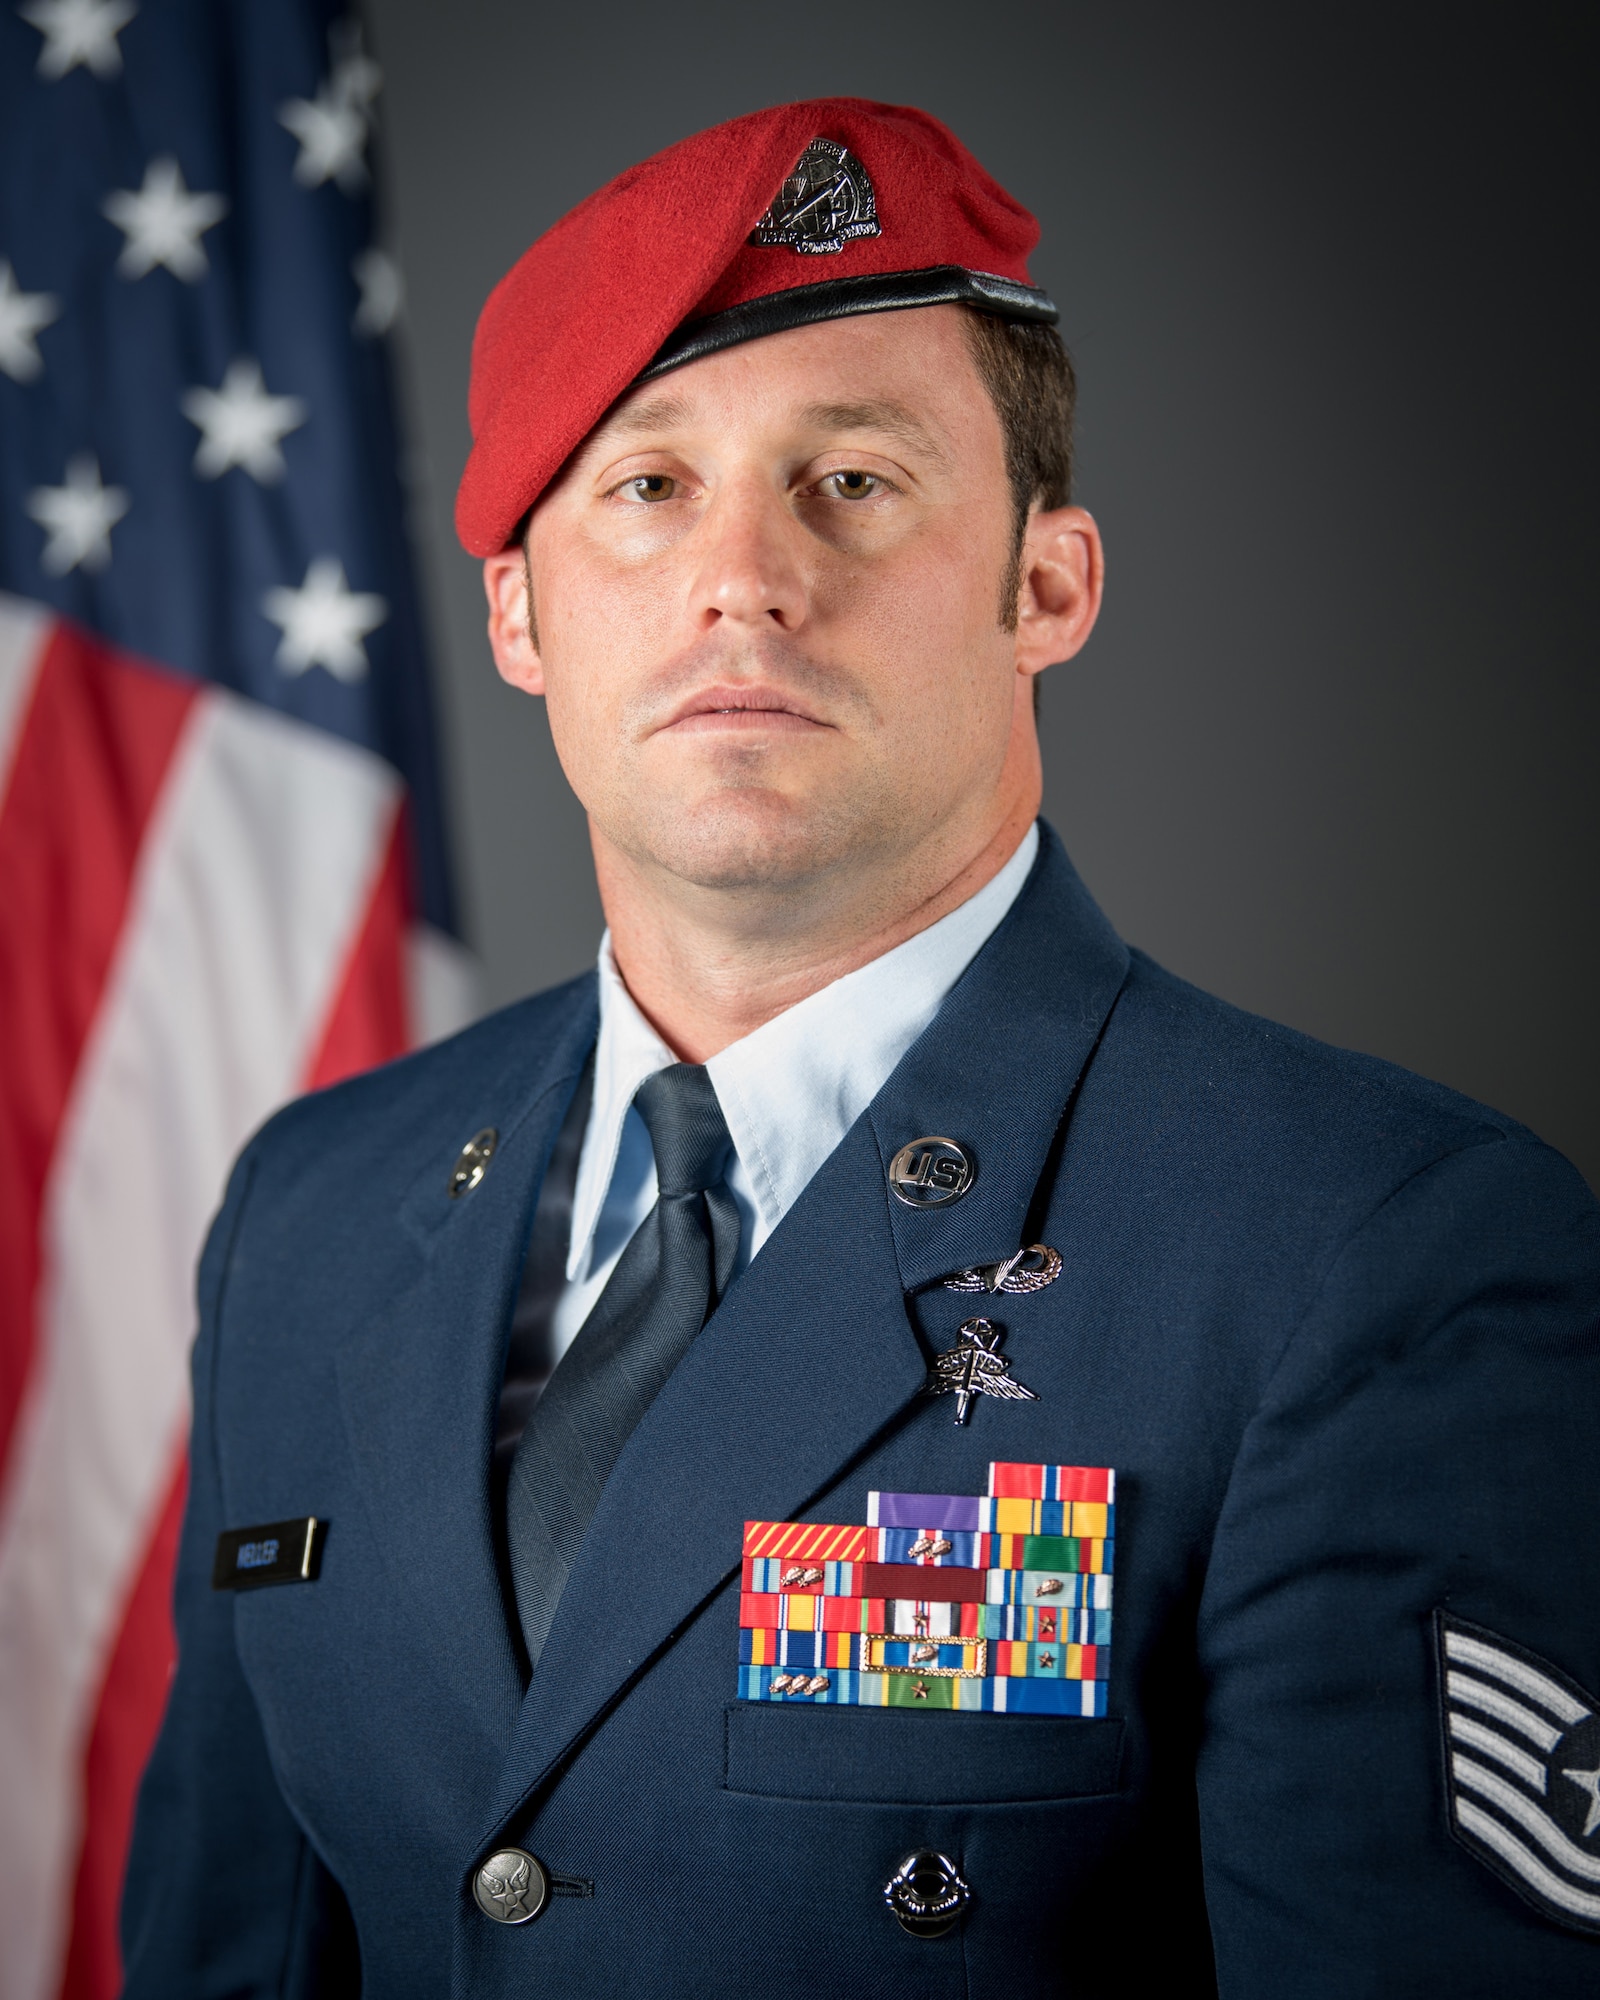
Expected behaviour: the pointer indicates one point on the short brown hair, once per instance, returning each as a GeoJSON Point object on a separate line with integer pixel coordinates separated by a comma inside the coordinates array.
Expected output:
{"type": "Point", "coordinates": [1028, 374]}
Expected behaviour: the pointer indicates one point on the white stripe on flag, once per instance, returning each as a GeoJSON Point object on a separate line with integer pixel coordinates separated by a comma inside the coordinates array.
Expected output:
{"type": "Point", "coordinates": [24, 628]}
{"type": "Point", "coordinates": [441, 984]}
{"type": "Point", "coordinates": [253, 883]}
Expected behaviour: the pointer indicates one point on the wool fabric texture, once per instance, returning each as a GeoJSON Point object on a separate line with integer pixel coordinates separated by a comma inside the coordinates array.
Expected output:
{"type": "Point", "coordinates": [588, 306]}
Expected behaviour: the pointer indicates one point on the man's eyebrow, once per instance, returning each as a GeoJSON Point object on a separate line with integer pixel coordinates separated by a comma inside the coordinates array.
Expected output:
{"type": "Point", "coordinates": [661, 413]}
{"type": "Point", "coordinates": [892, 419]}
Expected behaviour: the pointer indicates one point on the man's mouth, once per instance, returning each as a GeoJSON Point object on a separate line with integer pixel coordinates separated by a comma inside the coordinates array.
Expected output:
{"type": "Point", "coordinates": [748, 708]}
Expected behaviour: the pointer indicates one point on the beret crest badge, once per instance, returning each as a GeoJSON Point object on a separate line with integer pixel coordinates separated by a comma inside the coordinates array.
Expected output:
{"type": "Point", "coordinates": [826, 200]}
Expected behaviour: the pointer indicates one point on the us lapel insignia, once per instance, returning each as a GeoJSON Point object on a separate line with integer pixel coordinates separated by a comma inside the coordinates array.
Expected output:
{"type": "Point", "coordinates": [1522, 1758]}
{"type": "Point", "coordinates": [934, 1602]}
{"type": "Point", "coordinates": [974, 1367]}
{"type": "Point", "coordinates": [932, 1172]}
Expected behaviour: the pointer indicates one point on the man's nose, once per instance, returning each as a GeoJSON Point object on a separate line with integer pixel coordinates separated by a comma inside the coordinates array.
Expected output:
{"type": "Point", "coordinates": [750, 569]}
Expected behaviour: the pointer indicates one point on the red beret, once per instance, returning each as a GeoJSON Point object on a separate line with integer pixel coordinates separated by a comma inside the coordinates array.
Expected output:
{"type": "Point", "coordinates": [802, 213]}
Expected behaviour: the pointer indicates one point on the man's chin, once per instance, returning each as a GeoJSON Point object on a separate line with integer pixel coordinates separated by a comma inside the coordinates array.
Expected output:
{"type": "Point", "coordinates": [756, 840]}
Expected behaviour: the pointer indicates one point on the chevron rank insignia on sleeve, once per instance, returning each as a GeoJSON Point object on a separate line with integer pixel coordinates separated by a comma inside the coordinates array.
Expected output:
{"type": "Point", "coordinates": [1522, 1763]}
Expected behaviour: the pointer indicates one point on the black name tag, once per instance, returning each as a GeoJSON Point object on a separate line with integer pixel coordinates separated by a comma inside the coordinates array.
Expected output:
{"type": "Point", "coordinates": [281, 1552]}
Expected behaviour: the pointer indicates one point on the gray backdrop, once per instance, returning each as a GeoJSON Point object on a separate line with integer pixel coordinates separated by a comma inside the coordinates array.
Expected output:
{"type": "Point", "coordinates": [1330, 752]}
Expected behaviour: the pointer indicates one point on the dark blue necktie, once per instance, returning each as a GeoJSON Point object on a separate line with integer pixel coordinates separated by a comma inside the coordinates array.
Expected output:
{"type": "Point", "coordinates": [665, 1287]}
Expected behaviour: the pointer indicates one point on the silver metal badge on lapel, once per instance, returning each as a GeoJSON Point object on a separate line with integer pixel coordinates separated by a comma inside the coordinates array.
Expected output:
{"type": "Point", "coordinates": [928, 1173]}
{"type": "Point", "coordinates": [472, 1162]}
{"type": "Point", "coordinates": [1027, 1270]}
{"type": "Point", "coordinates": [974, 1367]}
{"type": "Point", "coordinates": [827, 199]}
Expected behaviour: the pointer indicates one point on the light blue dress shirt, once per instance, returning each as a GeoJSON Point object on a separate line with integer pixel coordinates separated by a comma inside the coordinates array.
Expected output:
{"type": "Point", "coordinates": [790, 1090]}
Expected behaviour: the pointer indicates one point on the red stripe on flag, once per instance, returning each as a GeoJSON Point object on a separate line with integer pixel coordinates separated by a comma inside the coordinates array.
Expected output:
{"type": "Point", "coordinates": [90, 759]}
{"type": "Point", "coordinates": [367, 1024]}
{"type": "Point", "coordinates": [369, 1021]}
{"type": "Point", "coordinates": [133, 1694]}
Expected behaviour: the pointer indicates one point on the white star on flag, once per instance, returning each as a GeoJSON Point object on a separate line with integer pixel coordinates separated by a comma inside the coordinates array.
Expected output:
{"type": "Point", "coordinates": [242, 424]}
{"type": "Point", "coordinates": [22, 314]}
{"type": "Point", "coordinates": [382, 292]}
{"type": "Point", "coordinates": [163, 223]}
{"type": "Point", "coordinates": [331, 134]}
{"type": "Point", "coordinates": [78, 517]}
{"type": "Point", "coordinates": [79, 31]}
{"type": "Point", "coordinates": [324, 622]}
{"type": "Point", "coordinates": [355, 75]}
{"type": "Point", "coordinates": [332, 126]}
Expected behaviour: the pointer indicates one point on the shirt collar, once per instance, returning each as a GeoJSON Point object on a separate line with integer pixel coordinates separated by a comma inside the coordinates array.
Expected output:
{"type": "Point", "coordinates": [628, 1051]}
{"type": "Point", "coordinates": [791, 1089]}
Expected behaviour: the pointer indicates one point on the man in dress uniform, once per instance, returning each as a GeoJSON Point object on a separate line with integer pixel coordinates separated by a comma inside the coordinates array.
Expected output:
{"type": "Point", "coordinates": [879, 1444]}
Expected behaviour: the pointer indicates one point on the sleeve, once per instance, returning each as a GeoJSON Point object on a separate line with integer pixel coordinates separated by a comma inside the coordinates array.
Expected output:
{"type": "Point", "coordinates": [224, 1894]}
{"type": "Point", "coordinates": [1424, 1461]}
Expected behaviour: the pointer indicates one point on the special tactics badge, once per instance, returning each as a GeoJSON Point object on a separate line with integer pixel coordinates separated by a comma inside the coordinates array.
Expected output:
{"type": "Point", "coordinates": [827, 199]}
{"type": "Point", "coordinates": [1522, 1754]}
{"type": "Point", "coordinates": [974, 1367]}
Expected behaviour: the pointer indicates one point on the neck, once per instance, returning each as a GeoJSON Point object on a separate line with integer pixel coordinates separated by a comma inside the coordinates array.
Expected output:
{"type": "Point", "coordinates": [708, 967]}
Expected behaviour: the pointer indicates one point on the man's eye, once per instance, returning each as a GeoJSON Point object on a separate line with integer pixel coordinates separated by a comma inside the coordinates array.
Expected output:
{"type": "Point", "coordinates": [852, 485]}
{"type": "Point", "coordinates": [649, 486]}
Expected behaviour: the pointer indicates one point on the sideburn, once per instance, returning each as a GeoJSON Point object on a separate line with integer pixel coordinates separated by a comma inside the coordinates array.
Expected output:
{"type": "Point", "coordinates": [1011, 577]}
{"type": "Point", "coordinates": [527, 578]}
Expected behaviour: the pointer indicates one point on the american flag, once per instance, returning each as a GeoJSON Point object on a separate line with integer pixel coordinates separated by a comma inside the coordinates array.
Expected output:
{"type": "Point", "coordinates": [222, 873]}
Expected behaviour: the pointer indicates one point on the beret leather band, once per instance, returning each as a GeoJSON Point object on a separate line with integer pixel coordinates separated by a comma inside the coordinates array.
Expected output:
{"type": "Point", "coordinates": [839, 298]}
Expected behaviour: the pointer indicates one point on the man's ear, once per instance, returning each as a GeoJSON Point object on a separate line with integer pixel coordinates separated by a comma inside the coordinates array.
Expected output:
{"type": "Point", "coordinates": [1063, 576]}
{"type": "Point", "coordinates": [505, 584]}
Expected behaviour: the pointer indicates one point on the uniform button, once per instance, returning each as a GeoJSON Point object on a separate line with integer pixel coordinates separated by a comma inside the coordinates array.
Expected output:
{"type": "Point", "coordinates": [512, 1886]}
{"type": "Point", "coordinates": [926, 1893]}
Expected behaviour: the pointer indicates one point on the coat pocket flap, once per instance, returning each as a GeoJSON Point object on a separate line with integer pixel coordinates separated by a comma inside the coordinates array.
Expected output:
{"type": "Point", "coordinates": [888, 1757]}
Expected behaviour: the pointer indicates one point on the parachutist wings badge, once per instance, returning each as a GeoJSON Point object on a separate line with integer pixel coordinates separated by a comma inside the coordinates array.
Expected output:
{"type": "Point", "coordinates": [974, 1367]}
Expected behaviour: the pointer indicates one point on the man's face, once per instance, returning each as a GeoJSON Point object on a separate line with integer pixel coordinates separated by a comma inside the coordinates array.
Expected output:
{"type": "Point", "coordinates": [768, 596]}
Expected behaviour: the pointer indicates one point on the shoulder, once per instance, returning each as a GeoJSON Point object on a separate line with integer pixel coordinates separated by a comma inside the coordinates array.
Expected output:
{"type": "Point", "coordinates": [1307, 1142]}
{"type": "Point", "coordinates": [381, 1123]}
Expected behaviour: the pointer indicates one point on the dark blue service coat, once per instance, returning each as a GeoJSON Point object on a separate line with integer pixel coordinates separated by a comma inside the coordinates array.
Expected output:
{"type": "Point", "coordinates": [1334, 1328]}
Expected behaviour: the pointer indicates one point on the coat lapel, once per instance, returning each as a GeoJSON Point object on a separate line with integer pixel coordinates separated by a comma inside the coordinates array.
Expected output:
{"type": "Point", "coordinates": [419, 1376]}
{"type": "Point", "coordinates": [813, 1352]}
{"type": "Point", "coordinates": [805, 1360]}
{"type": "Point", "coordinates": [999, 1064]}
